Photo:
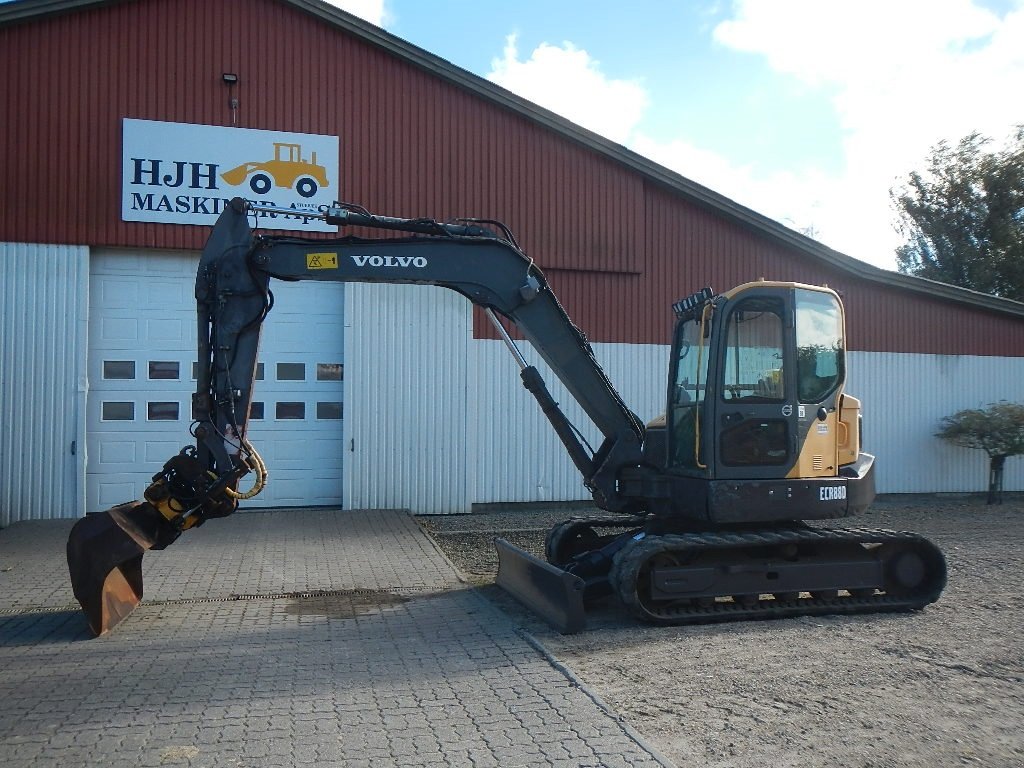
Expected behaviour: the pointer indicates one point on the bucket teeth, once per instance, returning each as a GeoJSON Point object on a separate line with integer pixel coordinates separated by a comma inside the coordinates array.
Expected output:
{"type": "Point", "coordinates": [105, 560]}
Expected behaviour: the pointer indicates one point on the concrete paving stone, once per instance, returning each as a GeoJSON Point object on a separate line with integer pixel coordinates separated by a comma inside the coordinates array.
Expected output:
{"type": "Point", "coordinates": [426, 673]}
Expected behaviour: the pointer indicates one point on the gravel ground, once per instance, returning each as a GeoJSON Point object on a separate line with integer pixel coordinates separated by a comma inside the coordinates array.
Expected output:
{"type": "Point", "coordinates": [940, 687]}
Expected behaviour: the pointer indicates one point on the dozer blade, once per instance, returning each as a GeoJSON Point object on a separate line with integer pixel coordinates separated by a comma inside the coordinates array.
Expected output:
{"type": "Point", "coordinates": [105, 560]}
{"type": "Point", "coordinates": [553, 594]}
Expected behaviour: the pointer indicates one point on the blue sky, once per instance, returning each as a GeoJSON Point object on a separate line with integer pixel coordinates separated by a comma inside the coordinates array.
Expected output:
{"type": "Point", "coordinates": [808, 111]}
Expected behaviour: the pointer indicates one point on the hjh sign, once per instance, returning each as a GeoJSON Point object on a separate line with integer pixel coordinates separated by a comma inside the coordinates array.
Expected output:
{"type": "Point", "coordinates": [178, 173]}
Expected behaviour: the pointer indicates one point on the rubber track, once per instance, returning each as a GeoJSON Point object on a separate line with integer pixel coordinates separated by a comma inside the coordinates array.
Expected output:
{"type": "Point", "coordinates": [631, 559]}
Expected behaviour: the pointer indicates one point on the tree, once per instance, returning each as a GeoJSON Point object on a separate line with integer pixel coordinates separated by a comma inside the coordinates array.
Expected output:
{"type": "Point", "coordinates": [963, 218]}
{"type": "Point", "coordinates": [998, 430]}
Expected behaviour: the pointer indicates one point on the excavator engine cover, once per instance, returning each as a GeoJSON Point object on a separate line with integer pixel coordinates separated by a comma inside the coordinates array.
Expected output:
{"type": "Point", "coordinates": [105, 560]}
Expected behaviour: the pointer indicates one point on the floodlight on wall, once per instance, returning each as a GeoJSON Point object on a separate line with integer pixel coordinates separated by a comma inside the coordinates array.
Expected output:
{"type": "Point", "coordinates": [231, 80]}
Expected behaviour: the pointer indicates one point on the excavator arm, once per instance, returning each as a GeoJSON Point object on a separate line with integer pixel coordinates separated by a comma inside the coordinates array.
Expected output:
{"type": "Point", "coordinates": [234, 297]}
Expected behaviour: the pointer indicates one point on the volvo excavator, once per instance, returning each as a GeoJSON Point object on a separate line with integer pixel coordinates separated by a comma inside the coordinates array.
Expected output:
{"type": "Point", "coordinates": [705, 510]}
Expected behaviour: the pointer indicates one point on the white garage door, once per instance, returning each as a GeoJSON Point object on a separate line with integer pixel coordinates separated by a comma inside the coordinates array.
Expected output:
{"type": "Point", "coordinates": [142, 338]}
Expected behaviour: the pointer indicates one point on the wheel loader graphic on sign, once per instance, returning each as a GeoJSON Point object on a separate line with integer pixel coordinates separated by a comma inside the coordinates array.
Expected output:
{"type": "Point", "coordinates": [287, 169]}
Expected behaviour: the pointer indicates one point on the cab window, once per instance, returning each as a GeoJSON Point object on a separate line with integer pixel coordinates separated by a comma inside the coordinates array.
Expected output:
{"type": "Point", "coordinates": [752, 367]}
{"type": "Point", "coordinates": [820, 359]}
{"type": "Point", "coordinates": [688, 387]}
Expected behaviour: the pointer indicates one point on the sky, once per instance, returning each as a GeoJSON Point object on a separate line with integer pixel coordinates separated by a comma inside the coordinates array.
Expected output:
{"type": "Point", "coordinates": [807, 111]}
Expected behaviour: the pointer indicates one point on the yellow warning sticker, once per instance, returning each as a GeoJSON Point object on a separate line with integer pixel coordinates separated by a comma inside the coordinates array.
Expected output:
{"type": "Point", "coordinates": [321, 261]}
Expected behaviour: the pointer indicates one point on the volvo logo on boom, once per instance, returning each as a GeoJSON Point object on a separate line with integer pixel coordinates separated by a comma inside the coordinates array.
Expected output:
{"type": "Point", "coordinates": [374, 260]}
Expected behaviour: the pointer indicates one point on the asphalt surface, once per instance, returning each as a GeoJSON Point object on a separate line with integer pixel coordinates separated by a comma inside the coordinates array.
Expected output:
{"type": "Point", "coordinates": [302, 637]}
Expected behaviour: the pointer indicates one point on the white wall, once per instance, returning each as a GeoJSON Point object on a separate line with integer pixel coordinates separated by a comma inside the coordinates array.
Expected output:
{"type": "Point", "coordinates": [43, 324]}
{"type": "Point", "coordinates": [518, 455]}
{"type": "Point", "coordinates": [406, 372]}
{"type": "Point", "coordinates": [906, 395]}
{"type": "Point", "coordinates": [441, 421]}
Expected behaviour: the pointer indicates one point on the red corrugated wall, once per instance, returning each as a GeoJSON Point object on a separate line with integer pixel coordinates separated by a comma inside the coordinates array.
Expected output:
{"type": "Point", "coordinates": [617, 246]}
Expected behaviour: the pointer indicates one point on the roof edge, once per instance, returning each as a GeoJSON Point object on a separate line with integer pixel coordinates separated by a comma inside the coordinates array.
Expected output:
{"type": "Point", "coordinates": [27, 10]}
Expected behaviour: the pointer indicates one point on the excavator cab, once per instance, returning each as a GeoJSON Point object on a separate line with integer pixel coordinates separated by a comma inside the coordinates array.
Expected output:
{"type": "Point", "coordinates": [756, 395]}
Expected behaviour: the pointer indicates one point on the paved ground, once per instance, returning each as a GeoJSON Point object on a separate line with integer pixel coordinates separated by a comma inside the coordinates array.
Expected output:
{"type": "Point", "coordinates": [938, 688]}
{"type": "Point", "coordinates": [290, 638]}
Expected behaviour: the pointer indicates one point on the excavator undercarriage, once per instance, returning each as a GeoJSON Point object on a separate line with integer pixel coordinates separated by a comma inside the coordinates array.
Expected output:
{"type": "Point", "coordinates": [697, 577]}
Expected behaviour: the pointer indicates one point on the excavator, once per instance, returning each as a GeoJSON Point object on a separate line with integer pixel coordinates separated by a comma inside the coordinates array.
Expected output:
{"type": "Point", "coordinates": [705, 512]}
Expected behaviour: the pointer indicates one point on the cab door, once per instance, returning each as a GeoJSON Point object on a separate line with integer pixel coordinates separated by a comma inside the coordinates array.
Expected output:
{"type": "Point", "coordinates": [754, 386]}
{"type": "Point", "coordinates": [820, 376]}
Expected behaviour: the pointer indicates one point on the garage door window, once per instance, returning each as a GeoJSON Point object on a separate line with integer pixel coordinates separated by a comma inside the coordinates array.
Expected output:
{"type": "Point", "coordinates": [328, 410]}
{"type": "Point", "coordinates": [291, 371]}
{"type": "Point", "coordinates": [291, 410]}
{"type": "Point", "coordinates": [167, 370]}
{"type": "Point", "coordinates": [118, 411]}
{"type": "Point", "coordinates": [162, 411]}
{"type": "Point", "coordinates": [118, 369]}
{"type": "Point", "coordinates": [330, 371]}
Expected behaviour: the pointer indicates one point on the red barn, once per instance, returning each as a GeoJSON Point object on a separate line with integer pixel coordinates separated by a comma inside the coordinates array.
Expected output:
{"type": "Point", "coordinates": [121, 121]}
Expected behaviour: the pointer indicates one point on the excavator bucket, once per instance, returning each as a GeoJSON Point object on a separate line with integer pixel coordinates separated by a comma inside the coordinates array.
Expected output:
{"type": "Point", "coordinates": [553, 594]}
{"type": "Point", "coordinates": [105, 560]}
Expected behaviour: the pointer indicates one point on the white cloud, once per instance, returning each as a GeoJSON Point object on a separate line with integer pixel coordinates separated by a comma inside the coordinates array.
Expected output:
{"type": "Point", "coordinates": [797, 200]}
{"type": "Point", "coordinates": [372, 11]}
{"type": "Point", "coordinates": [568, 81]}
{"type": "Point", "coordinates": [901, 76]}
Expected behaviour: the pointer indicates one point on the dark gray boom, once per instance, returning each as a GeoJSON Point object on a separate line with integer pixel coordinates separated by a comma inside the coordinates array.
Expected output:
{"type": "Point", "coordinates": [233, 295]}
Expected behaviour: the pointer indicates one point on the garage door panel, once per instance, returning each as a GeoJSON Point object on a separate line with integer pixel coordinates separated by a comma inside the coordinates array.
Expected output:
{"type": "Point", "coordinates": [115, 453]}
{"type": "Point", "coordinates": [299, 490]}
{"type": "Point", "coordinates": [115, 291]}
{"type": "Point", "coordinates": [170, 292]}
{"type": "Point", "coordinates": [142, 324]}
{"type": "Point", "coordinates": [306, 339]}
{"type": "Point", "coordinates": [163, 330]}
{"type": "Point", "coordinates": [119, 329]}
{"type": "Point", "coordinates": [106, 493]}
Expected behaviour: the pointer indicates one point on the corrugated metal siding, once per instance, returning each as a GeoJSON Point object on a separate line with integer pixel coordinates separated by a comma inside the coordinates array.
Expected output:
{"type": "Point", "coordinates": [905, 396]}
{"type": "Point", "coordinates": [406, 358]}
{"type": "Point", "coordinates": [691, 248]}
{"type": "Point", "coordinates": [517, 454]}
{"type": "Point", "coordinates": [43, 322]}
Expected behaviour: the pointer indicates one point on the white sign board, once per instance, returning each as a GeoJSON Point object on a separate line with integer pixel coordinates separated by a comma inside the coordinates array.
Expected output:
{"type": "Point", "coordinates": [178, 173]}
